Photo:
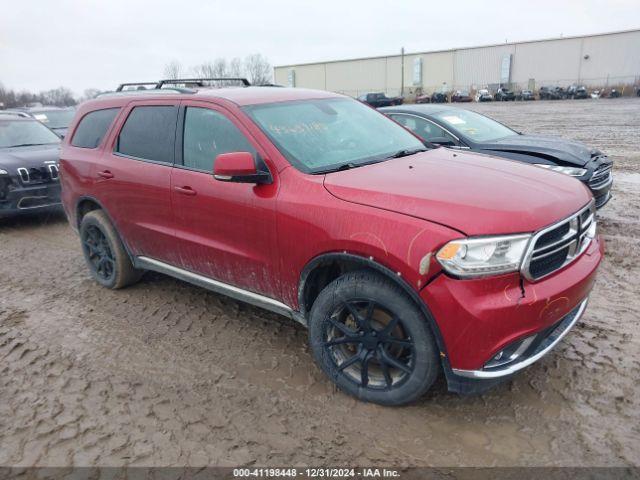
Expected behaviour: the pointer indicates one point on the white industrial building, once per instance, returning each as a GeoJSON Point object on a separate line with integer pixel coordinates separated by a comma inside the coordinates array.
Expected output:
{"type": "Point", "coordinates": [600, 60]}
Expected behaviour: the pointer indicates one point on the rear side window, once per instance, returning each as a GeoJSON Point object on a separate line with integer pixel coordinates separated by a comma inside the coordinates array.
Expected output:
{"type": "Point", "coordinates": [207, 134]}
{"type": "Point", "coordinates": [93, 127]}
{"type": "Point", "coordinates": [149, 133]}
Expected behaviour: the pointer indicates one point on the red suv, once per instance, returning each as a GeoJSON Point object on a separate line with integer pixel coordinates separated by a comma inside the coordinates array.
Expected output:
{"type": "Point", "coordinates": [404, 261]}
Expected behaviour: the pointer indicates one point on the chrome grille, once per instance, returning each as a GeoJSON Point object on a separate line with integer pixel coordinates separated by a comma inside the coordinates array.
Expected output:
{"type": "Point", "coordinates": [36, 175]}
{"type": "Point", "coordinates": [601, 176]}
{"type": "Point", "coordinates": [558, 245]}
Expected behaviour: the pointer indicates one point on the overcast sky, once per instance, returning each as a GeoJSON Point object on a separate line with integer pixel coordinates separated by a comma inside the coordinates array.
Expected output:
{"type": "Point", "coordinates": [100, 43]}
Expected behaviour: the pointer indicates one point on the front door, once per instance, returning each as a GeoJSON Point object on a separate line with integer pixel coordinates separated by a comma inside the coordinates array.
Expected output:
{"type": "Point", "coordinates": [224, 231]}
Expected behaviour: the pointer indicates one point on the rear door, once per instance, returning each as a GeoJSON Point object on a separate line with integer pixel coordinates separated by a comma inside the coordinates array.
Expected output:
{"type": "Point", "coordinates": [225, 231]}
{"type": "Point", "coordinates": [134, 176]}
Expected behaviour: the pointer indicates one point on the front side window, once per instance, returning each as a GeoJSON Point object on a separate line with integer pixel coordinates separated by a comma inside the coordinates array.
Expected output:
{"type": "Point", "coordinates": [149, 133]}
{"type": "Point", "coordinates": [93, 127]}
{"type": "Point", "coordinates": [23, 133]}
{"type": "Point", "coordinates": [423, 128]}
{"type": "Point", "coordinates": [320, 135]}
{"type": "Point", "coordinates": [473, 125]}
{"type": "Point", "coordinates": [207, 134]}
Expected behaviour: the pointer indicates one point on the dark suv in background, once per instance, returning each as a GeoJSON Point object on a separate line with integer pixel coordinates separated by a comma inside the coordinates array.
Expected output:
{"type": "Point", "coordinates": [377, 100]}
{"type": "Point", "coordinates": [29, 154]}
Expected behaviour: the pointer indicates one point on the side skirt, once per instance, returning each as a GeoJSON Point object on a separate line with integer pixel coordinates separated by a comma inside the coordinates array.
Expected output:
{"type": "Point", "coordinates": [220, 287]}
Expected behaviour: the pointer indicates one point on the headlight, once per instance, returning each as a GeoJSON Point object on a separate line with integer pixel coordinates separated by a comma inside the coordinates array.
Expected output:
{"type": "Point", "coordinates": [572, 171]}
{"type": "Point", "coordinates": [474, 257]}
{"type": "Point", "coordinates": [3, 172]}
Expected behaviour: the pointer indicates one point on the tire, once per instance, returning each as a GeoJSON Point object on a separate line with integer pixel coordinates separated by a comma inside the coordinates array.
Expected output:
{"type": "Point", "coordinates": [104, 253]}
{"type": "Point", "coordinates": [372, 341]}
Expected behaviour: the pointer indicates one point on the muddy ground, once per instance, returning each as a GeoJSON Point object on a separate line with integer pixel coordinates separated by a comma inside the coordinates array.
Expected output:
{"type": "Point", "coordinates": [164, 373]}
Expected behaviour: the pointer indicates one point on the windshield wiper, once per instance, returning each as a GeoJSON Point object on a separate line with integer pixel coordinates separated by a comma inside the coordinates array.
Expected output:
{"type": "Point", "coordinates": [344, 166]}
{"type": "Point", "coordinates": [28, 145]}
{"type": "Point", "coordinates": [407, 152]}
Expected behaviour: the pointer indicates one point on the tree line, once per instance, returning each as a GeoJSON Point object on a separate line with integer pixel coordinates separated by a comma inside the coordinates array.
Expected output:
{"type": "Point", "coordinates": [255, 68]}
{"type": "Point", "coordinates": [60, 97]}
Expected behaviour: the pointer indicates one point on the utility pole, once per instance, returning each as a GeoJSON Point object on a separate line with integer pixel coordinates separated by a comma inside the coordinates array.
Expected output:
{"type": "Point", "coordinates": [402, 71]}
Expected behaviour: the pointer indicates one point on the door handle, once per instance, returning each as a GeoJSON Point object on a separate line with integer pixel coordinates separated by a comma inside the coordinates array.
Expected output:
{"type": "Point", "coordinates": [185, 190]}
{"type": "Point", "coordinates": [105, 174]}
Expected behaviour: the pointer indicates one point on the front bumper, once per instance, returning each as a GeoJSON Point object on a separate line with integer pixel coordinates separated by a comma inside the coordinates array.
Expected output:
{"type": "Point", "coordinates": [23, 199]}
{"type": "Point", "coordinates": [479, 318]}
{"type": "Point", "coordinates": [531, 349]}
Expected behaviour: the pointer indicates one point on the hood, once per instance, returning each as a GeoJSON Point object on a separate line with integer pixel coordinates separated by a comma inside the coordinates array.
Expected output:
{"type": "Point", "coordinates": [28, 157]}
{"type": "Point", "coordinates": [550, 148]}
{"type": "Point", "coordinates": [472, 193]}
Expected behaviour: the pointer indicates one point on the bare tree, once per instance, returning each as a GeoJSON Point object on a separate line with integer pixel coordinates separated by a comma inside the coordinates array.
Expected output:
{"type": "Point", "coordinates": [235, 68]}
{"type": "Point", "coordinates": [204, 70]}
{"type": "Point", "coordinates": [258, 69]}
{"type": "Point", "coordinates": [89, 93]}
{"type": "Point", "coordinates": [173, 70]}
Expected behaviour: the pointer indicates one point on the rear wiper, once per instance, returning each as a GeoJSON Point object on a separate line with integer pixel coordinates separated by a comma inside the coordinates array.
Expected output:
{"type": "Point", "coordinates": [406, 152]}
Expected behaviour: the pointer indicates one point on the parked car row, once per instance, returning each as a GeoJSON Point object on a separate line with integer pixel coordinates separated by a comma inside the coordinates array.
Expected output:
{"type": "Point", "coordinates": [413, 241]}
{"type": "Point", "coordinates": [504, 94]}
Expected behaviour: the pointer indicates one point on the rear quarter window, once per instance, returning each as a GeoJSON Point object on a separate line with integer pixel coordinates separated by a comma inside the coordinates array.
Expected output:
{"type": "Point", "coordinates": [93, 127]}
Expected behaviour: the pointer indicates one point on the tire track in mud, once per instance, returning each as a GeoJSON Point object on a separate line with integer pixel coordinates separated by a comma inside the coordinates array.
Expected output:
{"type": "Point", "coordinates": [164, 373]}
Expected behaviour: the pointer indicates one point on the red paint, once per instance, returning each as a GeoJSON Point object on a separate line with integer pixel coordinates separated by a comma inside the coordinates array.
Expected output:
{"type": "Point", "coordinates": [261, 237]}
{"type": "Point", "coordinates": [234, 163]}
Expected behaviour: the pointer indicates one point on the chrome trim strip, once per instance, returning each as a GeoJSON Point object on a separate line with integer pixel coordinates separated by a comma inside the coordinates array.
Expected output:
{"type": "Point", "coordinates": [20, 207]}
{"type": "Point", "coordinates": [604, 185]}
{"type": "Point", "coordinates": [561, 247]}
{"type": "Point", "coordinates": [217, 286]}
{"type": "Point", "coordinates": [24, 175]}
{"type": "Point", "coordinates": [526, 362]}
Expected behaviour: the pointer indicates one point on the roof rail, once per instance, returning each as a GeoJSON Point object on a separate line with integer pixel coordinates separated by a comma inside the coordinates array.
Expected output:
{"type": "Point", "coordinates": [140, 85]}
{"type": "Point", "coordinates": [202, 82]}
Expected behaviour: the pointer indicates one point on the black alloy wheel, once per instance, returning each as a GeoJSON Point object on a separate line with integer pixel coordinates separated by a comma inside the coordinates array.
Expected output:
{"type": "Point", "coordinates": [369, 344]}
{"type": "Point", "coordinates": [98, 253]}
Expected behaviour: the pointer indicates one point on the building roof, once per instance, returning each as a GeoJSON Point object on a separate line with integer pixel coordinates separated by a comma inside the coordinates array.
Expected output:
{"type": "Point", "coordinates": [374, 57]}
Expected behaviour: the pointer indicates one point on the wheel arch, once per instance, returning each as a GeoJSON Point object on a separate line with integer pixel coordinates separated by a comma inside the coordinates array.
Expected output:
{"type": "Point", "coordinates": [86, 204]}
{"type": "Point", "coordinates": [324, 268]}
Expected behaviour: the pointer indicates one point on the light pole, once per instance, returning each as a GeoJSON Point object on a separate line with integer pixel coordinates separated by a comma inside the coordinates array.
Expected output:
{"type": "Point", "coordinates": [402, 72]}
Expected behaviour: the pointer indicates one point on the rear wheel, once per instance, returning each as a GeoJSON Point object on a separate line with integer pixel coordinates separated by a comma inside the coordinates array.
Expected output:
{"type": "Point", "coordinates": [371, 339]}
{"type": "Point", "coordinates": [104, 252]}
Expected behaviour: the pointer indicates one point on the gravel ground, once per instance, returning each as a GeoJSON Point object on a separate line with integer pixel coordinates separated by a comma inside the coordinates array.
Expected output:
{"type": "Point", "coordinates": [164, 373]}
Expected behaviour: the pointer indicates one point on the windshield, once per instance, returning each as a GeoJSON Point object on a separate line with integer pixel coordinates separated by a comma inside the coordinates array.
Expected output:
{"type": "Point", "coordinates": [319, 135]}
{"type": "Point", "coordinates": [15, 133]}
{"type": "Point", "coordinates": [472, 125]}
{"type": "Point", "coordinates": [54, 118]}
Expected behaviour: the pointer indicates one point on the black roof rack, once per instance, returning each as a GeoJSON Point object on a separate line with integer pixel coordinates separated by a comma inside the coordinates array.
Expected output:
{"type": "Point", "coordinates": [140, 85]}
{"type": "Point", "coordinates": [203, 82]}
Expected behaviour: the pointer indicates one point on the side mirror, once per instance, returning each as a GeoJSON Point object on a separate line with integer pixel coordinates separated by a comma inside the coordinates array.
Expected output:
{"type": "Point", "coordinates": [239, 167]}
{"type": "Point", "coordinates": [443, 141]}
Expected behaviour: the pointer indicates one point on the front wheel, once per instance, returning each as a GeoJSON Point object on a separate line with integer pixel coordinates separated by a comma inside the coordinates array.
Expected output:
{"type": "Point", "coordinates": [372, 341]}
